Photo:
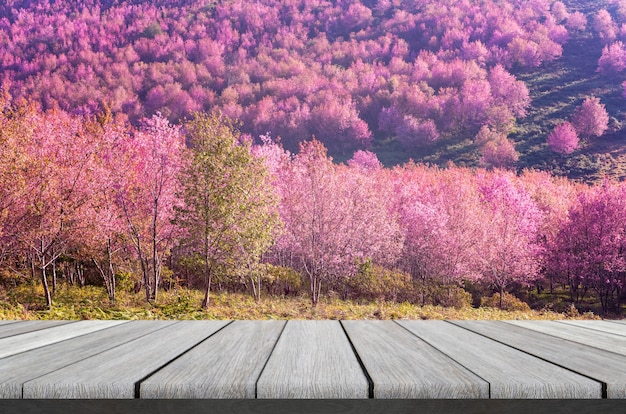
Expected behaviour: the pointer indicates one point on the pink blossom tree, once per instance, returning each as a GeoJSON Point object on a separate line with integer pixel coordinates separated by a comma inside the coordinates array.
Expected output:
{"type": "Point", "coordinates": [604, 26]}
{"type": "Point", "coordinates": [333, 217]}
{"type": "Point", "coordinates": [499, 152]}
{"type": "Point", "coordinates": [146, 196]}
{"type": "Point", "coordinates": [613, 59]}
{"type": "Point", "coordinates": [576, 21]}
{"type": "Point", "coordinates": [590, 119]}
{"type": "Point", "coordinates": [107, 223]}
{"type": "Point", "coordinates": [413, 133]}
{"type": "Point", "coordinates": [439, 212]}
{"type": "Point", "coordinates": [590, 246]}
{"type": "Point", "coordinates": [563, 138]}
{"type": "Point", "coordinates": [509, 248]}
{"type": "Point", "coordinates": [62, 179]}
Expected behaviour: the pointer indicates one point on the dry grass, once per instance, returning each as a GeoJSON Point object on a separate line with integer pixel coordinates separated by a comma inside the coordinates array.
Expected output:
{"type": "Point", "coordinates": [71, 303]}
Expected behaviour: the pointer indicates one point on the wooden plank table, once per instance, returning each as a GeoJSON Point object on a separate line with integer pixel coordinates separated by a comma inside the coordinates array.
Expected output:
{"type": "Point", "coordinates": [361, 360]}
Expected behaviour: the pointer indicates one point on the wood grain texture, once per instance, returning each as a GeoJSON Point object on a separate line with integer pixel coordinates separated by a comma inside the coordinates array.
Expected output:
{"type": "Point", "coordinates": [313, 359]}
{"type": "Point", "coordinates": [24, 342]}
{"type": "Point", "coordinates": [600, 365]}
{"type": "Point", "coordinates": [403, 366]}
{"type": "Point", "coordinates": [7, 322]}
{"type": "Point", "coordinates": [604, 326]}
{"type": "Point", "coordinates": [17, 369]}
{"type": "Point", "coordinates": [354, 406]}
{"type": "Point", "coordinates": [22, 327]}
{"type": "Point", "coordinates": [227, 365]}
{"type": "Point", "coordinates": [113, 373]}
{"type": "Point", "coordinates": [510, 372]}
{"type": "Point", "coordinates": [597, 339]}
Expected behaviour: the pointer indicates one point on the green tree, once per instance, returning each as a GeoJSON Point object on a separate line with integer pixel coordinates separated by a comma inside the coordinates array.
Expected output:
{"type": "Point", "coordinates": [229, 213]}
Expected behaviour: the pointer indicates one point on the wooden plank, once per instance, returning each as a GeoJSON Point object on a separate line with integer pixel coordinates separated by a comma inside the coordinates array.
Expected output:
{"type": "Point", "coordinates": [7, 322]}
{"type": "Point", "coordinates": [113, 373]}
{"type": "Point", "coordinates": [404, 366]}
{"type": "Point", "coordinates": [596, 339]}
{"type": "Point", "coordinates": [313, 359]}
{"type": "Point", "coordinates": [17, 369]}
{"type": "Point", "coordinates": [240, 350]}
{"type": "Point", "coordinates": [510, 372]}
{"type": "Point", "coordinates": [28, 326]}
{"type": "Point", "coordinates": [24, 342]}
{"type": "Point", "coordinates": [594, 363]}
{"type": "Point", "coordinates": [604, 326]}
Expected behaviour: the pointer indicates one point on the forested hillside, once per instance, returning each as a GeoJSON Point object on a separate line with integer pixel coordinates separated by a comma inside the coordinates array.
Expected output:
{"type": "Point", "coordinates": [374, 150]}
{"type": "Point", "coordinates": [471, 82]}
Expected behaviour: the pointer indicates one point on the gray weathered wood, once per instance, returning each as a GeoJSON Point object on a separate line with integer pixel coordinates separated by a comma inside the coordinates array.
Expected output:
{"type": "Point", "coordinates": [510, 372]}
{"type": "Point", "coordinates": [313, 359]}
{"type": "Point", "coordinates": [24, 342]}
{"type": "Point", "coordinates": [604, 326]}
{"type": "Point", "coordinates": [227, 365]}
{"type": "Point", "coordinates": [403, 366]}
{"type": "Point", "coordinates": [5, 322]}
{"type": "Point", "coordinates": [597, 339]}
{"type": "Point", "coordinates": [28, 326]}
{"type": "Point", "coordinates": [600, 365]}
{"type": "Point", "coordinates": [17, 369]}
{"type": "Point", "coordinates": [113, 373]}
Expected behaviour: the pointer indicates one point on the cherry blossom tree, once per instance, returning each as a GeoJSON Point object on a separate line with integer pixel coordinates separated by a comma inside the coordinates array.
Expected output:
{"type": "Point", "coordinates": [563, 138]}
{"type": "Point", "coordinates": [576, 21]}
{"type": "Point", "coordinates": [509, 247]}
{"type": "Point", "coordinates": [499, 152]}
{"type": "Point", "coordinates": [604, 26]}
{"type": "Point", "coordinates": [613, 59]}
{"type": "Point", "coordinates": [146, 195]}
{"type": "Point", "coordinates": [439, 212]}
{"type": "Point", "coordinates": [333, 217]}
{"type": "Point", "coordinates": [590, 119]}
{"type": "Point", "coordinates": [590, 246]}
{"type": "Point", "coordinates": [62, 173]}
{"type": "Point", "coordinates": [106, 221]}
{"type": "Point", "coordinates": [413, 133]}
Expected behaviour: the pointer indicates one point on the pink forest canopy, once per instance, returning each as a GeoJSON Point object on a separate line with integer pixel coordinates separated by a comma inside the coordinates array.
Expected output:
{"type": "Point", "coordinates": [98, 191]}
{"type": "Point", "coordinates": [94, 141]}
{"type": "Point", "coordinates": [344, 71]}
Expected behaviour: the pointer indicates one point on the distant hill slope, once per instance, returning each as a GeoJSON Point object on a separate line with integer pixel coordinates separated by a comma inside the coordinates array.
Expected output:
{"type": "Point", "coordinates": [556, 88]}
{"type": "Point", "coordinates": [408, 79]}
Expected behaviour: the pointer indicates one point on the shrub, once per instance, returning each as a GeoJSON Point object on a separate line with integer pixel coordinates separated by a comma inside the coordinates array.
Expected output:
{"type": "Point", "coordinates": [280, 280]}
{"type": "Point", "coordinates": [451, 297]}
{"type": "Point", "coordinates": [378, 283]}
{"type": "Point", "coordinates": [124, 282]}
{"type": "Point", "coordinates": [509, 302]}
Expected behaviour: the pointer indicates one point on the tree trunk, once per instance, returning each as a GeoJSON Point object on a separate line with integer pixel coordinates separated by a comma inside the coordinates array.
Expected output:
{"type": "Point", "coordinates": [54, 278]}
{"type": "Point", "coordinates": [32, 267]}
{"type": "Point", "coordinates": [207, 272]}
{"type": "Point", "coordinates": [44, 281]}
{"type": "Point", "coordinates": [314, 297]}
{"type": "Point", "coordinates": [205, 302]}
{"type": "Point", "coordinates": [80, 272]}
{"type": "Point", "coordinates": [155, 258]}
{"type": "Point", "coordinates": [111, 272]}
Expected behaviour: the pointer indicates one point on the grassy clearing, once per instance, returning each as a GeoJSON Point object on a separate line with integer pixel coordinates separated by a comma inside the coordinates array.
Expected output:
{"type": "Point", "coordinates": [72, 303]}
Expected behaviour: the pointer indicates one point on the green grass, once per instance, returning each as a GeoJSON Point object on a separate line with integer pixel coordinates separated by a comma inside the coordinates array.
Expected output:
{"type": "Point", "coordinates": [73, 303]}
